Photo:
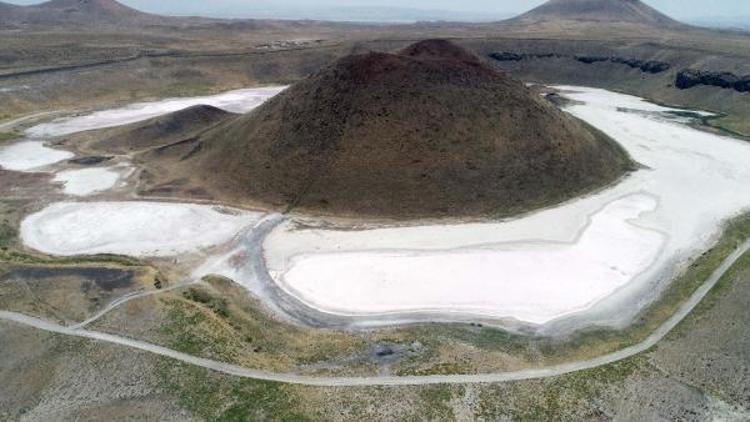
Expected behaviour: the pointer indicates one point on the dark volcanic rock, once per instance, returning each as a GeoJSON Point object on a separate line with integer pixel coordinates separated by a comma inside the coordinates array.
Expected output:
{"type": "Point", "coordinates": [591, 59]}
{"type": "Point", "coordinates": [689, 78]}
{"type": "Point", "coordinates": [557, 99]}
{"type": "Point", "coordinates": [507, 57]}
{"type": "Point", "coordinates": [89, 160]}
{"type": "Point", "coordinates": [650, 66]}
{"type": "Point", "coordinates": [655, 67]}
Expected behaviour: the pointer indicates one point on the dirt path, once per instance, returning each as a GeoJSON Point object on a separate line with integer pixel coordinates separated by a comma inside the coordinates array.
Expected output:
{"type": "Point", "coordinates": [10, 124]}
{"type": "Point", "coordinates": [292, 378]}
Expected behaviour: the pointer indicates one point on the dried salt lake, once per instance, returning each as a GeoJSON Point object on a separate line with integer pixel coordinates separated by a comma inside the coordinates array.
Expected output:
{"type": "Point", "coordinates": [131, 228]}
{"type": "Point", "coordinates": [84, 182]}
{"type": "Point", "coordinates": [599, 258]}
{"type": "Point", "coordinates": [237, 101]}
{"type": "Point", "coordinates": [30, 156]}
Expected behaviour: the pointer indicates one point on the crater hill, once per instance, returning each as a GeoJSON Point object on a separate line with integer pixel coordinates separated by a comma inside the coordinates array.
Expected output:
{"type": "Point", "coordinates": [609, 11]}
{"type": "Point", "coordinates": [430, 131]}
{"type": "Point", "coordinates": [178, 127]}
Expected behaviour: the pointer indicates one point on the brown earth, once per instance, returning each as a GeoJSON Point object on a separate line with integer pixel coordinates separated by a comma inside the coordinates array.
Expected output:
{"type": "Point", "coordinates": [431, 131]}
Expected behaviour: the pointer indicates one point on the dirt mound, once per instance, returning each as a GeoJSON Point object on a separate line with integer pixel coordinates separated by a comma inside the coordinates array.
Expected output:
{"type": "Point", "coordinates": [621, 11]}
{"type": "Point", "coordinates": [157, 132]}
{"type": "Point", "coordinates": [431, 131]}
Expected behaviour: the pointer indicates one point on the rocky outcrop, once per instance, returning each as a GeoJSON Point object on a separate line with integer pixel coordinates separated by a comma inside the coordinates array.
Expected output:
{"type": "Point", "coordinates": [517, 57]}
{"type": "Point", "coordinates": [591, 59]}
{"type": "Point", "coordinates": [648, 66]}
{"type": "Point", "coordinates": [688, 78]}
{"type": "Point", "coordinates": [653, 67]}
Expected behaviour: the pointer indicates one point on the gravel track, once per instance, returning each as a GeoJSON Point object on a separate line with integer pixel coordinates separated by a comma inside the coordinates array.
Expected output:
{"type": "Point", "coordinates": [292, 378]}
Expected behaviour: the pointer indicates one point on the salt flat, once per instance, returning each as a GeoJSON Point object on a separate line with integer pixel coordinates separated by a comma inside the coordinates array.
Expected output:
{"type": "Point", "coordinates": [237, 101]}
{"type": "Point", "coordinates": [131, 228]}
{"type": "Point", "coordinates": [603, 256]}
{"type": "Point", "coordinates": [84, 182]}
{"type": "Point", "coordinates": [533, 281]}
{"type": "Point", "coordinates": [30, 155]}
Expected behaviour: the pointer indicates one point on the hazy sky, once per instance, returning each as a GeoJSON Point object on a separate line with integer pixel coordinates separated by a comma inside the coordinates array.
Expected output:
{"type": "Point", "coordinates": [681, 9]}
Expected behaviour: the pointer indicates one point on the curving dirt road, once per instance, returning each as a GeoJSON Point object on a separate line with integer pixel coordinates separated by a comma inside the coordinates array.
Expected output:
{"type": "Point", "coordinates": [292, 378]}
{"type": "Point", "coordinates": [127, 298]}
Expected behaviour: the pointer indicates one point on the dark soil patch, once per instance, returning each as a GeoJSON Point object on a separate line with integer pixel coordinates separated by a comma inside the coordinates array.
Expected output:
{"type": "Point", "coordinates": [90, 160]}
{"type": "Point", "coordinates": [107, 279]}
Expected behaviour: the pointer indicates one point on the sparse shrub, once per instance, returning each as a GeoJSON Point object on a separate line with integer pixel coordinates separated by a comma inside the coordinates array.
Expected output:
{"type": "Point", "coordinates": [217, 305]}
{"type": "Point", "coordinates": [7, 234]}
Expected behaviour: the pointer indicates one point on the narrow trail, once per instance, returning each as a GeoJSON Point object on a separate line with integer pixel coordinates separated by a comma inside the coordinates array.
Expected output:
{"type": "Point", "coordinates": [332, 381]}
{"type": "Point", "coordinates": [127, 298]}
{"type": "Point", "coordinates": [267, 223]}
{"type": "Point", "coordinates": [10, 124]}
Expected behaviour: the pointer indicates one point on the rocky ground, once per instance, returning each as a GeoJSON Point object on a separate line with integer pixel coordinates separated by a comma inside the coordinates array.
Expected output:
{"type": "Point", "coordinates": [700, 372]}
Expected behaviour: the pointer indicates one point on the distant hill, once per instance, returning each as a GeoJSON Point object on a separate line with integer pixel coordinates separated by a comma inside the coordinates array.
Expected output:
{"type": "Point", "coordinates": [430, 131]}
{"type": "Point", "coordinates": [722, 22]}
{"type": "Point", "coordinates": [77, 12]}
{"type": "Point", "coordinates": [604, 11]}
{"type": "Point", "coordinates": [111, 15]}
